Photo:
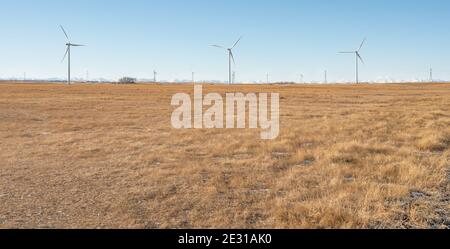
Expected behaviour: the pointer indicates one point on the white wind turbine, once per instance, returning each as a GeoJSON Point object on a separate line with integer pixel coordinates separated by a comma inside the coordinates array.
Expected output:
{"type": "Point", "coordinates": [69, 45]}
{"type": "Point", "coordinates": [358, 58]}
{"type": "Point", "coordinates": [230, 58]}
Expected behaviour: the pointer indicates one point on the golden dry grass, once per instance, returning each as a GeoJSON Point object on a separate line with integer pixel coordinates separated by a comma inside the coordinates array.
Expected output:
{"type": "Point", "coordinates": [88, 156]}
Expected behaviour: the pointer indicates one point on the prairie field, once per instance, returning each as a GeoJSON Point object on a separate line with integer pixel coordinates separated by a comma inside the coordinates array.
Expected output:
{"type": "Point", "coordinates": [106, 156]}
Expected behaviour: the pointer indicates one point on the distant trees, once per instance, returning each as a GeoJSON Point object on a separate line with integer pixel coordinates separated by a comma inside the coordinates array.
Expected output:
{"type": "Point", "coordinates": [127, 80]}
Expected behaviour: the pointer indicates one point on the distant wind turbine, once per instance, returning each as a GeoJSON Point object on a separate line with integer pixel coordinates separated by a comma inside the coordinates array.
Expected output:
{"type": "Point", "coordinates": [69, 45]}
{"type": "Point", "coordinates": [431, 75]}
{"type": "Point", "coordinates": [358, 58]}
{"type": "Point", "coordinates": [230, 57]}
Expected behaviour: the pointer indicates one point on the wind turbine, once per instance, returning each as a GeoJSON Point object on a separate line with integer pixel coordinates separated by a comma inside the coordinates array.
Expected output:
{"type": "Point", "coordinates": [230, 57]}
{"type": "Point", "coordinates": [431, 75]}
{"type": "Point", "coordinates": [358, 58]}
{"type": "Point", "coordinates": [69, 45]}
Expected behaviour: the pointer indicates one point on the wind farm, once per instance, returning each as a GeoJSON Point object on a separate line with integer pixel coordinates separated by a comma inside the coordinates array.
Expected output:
{"type": "Point", "coordinates": [363, 136]}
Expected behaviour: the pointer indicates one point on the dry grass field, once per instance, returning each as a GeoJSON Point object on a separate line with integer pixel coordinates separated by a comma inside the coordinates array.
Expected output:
{"type": "Point", "coordinates": [106, 156]}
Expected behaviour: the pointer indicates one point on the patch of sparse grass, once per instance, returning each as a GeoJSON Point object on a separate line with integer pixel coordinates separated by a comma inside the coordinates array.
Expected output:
{"type": "Point", "coordinates": [354, 152]}
{"type": "Point", "coordinates": [434, 141]}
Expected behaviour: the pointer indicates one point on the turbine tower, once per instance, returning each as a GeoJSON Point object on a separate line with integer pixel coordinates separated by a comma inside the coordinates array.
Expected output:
{"type": "Point", "coordinates": [154, 76]}
{"type": "Point", "coordinates": [358, 58]}
{"type": "Point", "coordinates": [431, 75]}
{"type": "Point", "coordinates": [69, 45]}
{"type": "Point", "coordinates": [230, 57]}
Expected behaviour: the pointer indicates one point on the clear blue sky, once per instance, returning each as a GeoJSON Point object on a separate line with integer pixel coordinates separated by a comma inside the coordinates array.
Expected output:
{"type": "Point", "coordinates": [282, 37]}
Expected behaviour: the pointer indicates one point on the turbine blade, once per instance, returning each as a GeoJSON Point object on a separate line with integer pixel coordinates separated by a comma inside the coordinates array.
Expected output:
{"type": "Point", "coordinates": [77, 45]}
{"type": "Point", "coordinates": [65, 33]}
{"type": "Point", "coordinates": [360, 58]}
{"type": "Point", "coordinates": [232, 57]}
{"type": "Point", "coordinates": [346, 52]}
{"type": "Point", "coordinates": [67, 51]}
{"type": "Point", "coordinates": [235, 44]}
{"type": "Point", "coordinates": [362, 44]}
{"type": "Point", "coordinates": [217, 46]}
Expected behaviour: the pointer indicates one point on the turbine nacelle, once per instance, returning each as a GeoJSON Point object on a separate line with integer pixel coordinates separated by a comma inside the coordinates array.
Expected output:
{"type": "Point", "coordinates": [74, 45]}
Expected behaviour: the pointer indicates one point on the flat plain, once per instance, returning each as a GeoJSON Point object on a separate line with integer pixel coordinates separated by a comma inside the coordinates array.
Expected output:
{"type": "Point", "coordinates": [106, 156]}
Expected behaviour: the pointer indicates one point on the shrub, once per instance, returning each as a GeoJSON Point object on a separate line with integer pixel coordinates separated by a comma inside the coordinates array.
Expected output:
{"type": "Point", "coordinates": [127, 80]}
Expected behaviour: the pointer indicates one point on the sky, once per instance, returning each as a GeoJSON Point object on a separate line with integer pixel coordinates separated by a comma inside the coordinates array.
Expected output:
{"type": "Point", "coordinates": [282, 38]}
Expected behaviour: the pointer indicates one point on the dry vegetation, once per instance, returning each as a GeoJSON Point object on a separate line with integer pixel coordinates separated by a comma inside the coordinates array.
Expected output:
{"type": "Point", "coordinates": [88, 156]}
